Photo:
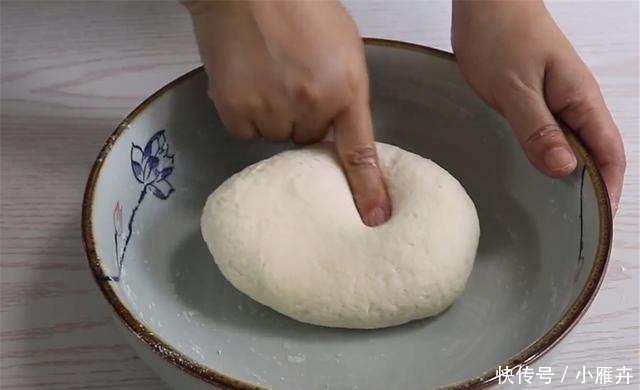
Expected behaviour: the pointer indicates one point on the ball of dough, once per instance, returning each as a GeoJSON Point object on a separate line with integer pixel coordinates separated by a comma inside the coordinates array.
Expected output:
{"type": "Point", "coordinates": [285, 231]}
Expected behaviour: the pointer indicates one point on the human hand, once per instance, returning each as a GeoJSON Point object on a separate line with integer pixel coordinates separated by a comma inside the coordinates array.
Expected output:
{"type": "Point", "coordinates": [293, 71]}
{"type": "Point", "coordinates": [518, 61]}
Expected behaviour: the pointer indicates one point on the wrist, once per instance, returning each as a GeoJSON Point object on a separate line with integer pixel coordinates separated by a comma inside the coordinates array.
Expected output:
{"type": "Point", "coordinates": [496, 6]}
{"type": "Point", "coordinates": [470, 17]}
{"type": "Point", "coordinates": [491, 10]}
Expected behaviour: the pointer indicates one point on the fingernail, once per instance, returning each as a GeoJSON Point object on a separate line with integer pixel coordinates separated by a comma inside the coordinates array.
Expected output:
{"type": "Point", "coordinates": [559, 159]}
{"type": "Point", "coordinates": [376, 217]}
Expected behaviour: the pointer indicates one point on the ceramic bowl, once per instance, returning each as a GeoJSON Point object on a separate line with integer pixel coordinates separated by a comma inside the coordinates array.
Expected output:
{"type": "Point", "coordinates": [543, 249]}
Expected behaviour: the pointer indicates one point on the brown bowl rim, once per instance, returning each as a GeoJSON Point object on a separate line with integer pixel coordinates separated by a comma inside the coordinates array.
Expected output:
{"type": "Point", "coordinates": [524, 358]}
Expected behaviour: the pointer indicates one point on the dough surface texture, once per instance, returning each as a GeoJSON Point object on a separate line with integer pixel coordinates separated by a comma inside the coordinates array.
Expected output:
{"type": "Point", "coordinates": [285, 231]}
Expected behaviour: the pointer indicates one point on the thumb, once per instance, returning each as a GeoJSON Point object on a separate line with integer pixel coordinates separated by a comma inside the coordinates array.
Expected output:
{"type": "Point", "coordinates": [539, 134]}
{"type": "Point", "coordinates": [353, 131]}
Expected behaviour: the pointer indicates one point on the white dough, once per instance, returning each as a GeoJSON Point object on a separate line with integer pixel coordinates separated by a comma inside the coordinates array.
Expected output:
{"type": "Point", "coordinates": [285, 231]}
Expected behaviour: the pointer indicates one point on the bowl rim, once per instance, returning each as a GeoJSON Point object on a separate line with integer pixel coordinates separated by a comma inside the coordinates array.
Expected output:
{"type": "Point", "coordinates": [527, 356]}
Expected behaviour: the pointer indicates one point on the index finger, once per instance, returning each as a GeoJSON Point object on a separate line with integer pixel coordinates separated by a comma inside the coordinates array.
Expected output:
{"type": "Point", "coordinates": [355, 144]}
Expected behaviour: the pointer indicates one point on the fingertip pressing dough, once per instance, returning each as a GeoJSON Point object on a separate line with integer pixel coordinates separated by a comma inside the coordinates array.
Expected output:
{"type": "Point", "coordinates": [285, 231]}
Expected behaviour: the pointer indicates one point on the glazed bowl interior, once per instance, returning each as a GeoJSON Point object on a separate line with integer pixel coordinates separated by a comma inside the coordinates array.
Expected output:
{"type": "Point", "coordinates": [542, 250]}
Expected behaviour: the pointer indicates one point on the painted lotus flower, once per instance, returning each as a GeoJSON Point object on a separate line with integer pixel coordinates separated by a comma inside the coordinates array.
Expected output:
{"type": "Point", "coordinates": [152, 165]}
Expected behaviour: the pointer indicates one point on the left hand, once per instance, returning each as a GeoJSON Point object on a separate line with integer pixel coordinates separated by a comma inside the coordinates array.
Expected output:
{"type": "Point", "coordinates": [516, 58]}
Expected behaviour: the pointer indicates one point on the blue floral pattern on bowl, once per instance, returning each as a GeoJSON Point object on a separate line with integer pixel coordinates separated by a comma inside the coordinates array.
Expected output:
{"type": "Point", "coordinates": [151, 166]}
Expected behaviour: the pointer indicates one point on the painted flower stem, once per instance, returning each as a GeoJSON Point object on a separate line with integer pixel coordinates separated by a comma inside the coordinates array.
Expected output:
{"type": "Point", "coordinates": [116, 239]}
{"type": "Point", "coordinates": [143, 193]}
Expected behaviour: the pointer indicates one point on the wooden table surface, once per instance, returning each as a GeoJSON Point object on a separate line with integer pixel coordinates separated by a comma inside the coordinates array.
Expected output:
{"type": "Point", "coordinates": [71, 70]}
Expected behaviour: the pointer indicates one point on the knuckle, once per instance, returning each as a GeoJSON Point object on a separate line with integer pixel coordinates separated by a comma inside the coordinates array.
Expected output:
{"type": "Point", "coordinates": [349, 84]}
{"type": "Point", "coordinates": [583, 109]}
{"type": "Point", "coordinates": [314, 91]}
{"type": "Point", "coordinates": [227, 102]}
{"type": "Point", "coordinates": [236, 127]}
{"type": "Point", "coordinates": [580, 86]}
{"type": "Point", "coordinates": [544, 135]}
{"type": "Point", "coordinates": [353, 80]}
{"type": "Point", "coordinates": [237, 101]}
{"type": "Point", "coordinates": [579, 97]}
{"type": "Point", "coordinates": [231, 109]}
{"type": "Point", "coordinates": [245, 135]}
{"type": "Point", "coordinates": [360, 156]}
{"type": "Point", "coordinates": [574, 94]}
{"type": "Point", "coordinates": [255, 102]}
{"type": "Point", "coordinates": [307, 92]}
{"type": "Point", "coordinates": [542, 140]}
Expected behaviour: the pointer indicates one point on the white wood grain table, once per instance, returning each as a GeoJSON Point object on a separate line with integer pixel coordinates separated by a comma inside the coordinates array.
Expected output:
{"type": "Point", "coordinates": [71, 70]}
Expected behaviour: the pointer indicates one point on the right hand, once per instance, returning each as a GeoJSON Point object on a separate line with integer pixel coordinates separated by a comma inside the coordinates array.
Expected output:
{"type": "Point", "coordinates": [518, 60]}
{"type": "Point", "coordinates": [293, 71]}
